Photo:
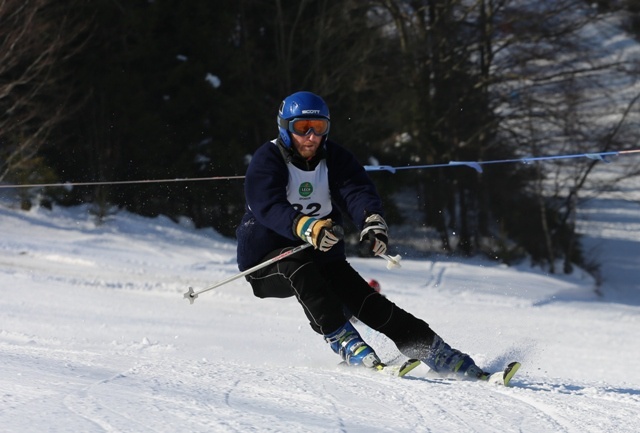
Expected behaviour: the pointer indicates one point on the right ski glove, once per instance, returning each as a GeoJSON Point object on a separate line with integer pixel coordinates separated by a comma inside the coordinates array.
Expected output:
{"type": "Point", "coordinates": [374, 238]}
{"type": "Point", "coordinates": [322, 234]}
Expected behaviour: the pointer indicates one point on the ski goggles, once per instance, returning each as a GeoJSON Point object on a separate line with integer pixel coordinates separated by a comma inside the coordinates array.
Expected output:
{"type": "Point", "coordinates": [305, 126]}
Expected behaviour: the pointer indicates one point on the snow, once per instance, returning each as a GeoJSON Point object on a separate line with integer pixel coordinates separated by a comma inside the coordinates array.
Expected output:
{"type": "Point", "coordinates": [214, 80]}
{"type": "Point", "coordinates": [95, 336]}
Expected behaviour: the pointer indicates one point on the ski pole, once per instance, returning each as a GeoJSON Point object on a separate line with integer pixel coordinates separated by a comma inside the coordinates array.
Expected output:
{"type": "Point", "coordinates": [392, 262]}
{"type": "Point", "coordinates": [191, 295]}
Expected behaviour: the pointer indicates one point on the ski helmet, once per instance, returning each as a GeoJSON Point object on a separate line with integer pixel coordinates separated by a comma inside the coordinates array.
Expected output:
{"type": "Point", "coordinates": [301, 105]}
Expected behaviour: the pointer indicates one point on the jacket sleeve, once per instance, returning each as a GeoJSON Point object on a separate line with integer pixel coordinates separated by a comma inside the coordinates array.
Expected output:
{"type": "Point", "coordinates": [265, 189]}
{"type": "Point", "coordinates": [351, 188]}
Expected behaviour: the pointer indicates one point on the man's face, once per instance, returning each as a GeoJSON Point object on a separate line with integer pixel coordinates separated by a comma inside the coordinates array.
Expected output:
{"type": "Point", "coordinates": [306, 145]}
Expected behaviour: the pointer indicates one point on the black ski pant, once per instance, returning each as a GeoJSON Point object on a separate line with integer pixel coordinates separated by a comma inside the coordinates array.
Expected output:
{"type": "Point", "coordinates": [324, 290]}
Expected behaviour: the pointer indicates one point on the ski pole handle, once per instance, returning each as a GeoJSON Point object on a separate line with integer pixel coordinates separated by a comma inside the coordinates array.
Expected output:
{"type": "Point", "coordinates": [338, 231]}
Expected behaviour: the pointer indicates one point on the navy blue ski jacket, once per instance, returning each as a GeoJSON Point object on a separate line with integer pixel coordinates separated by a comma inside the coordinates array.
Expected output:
{"type": "Point", "coordinates": [268, 221]}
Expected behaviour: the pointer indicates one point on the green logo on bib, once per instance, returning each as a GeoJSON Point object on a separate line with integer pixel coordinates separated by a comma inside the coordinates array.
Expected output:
{"type": "Point", "coordinates": [305, 189]}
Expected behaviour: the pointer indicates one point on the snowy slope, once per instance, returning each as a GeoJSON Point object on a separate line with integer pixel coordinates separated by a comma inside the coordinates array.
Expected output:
{"type": "Point", "coordinates": [95, 336]}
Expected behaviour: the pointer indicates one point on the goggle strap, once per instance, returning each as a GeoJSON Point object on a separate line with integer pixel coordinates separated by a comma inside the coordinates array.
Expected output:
{"type": "Point", "coordinates": [283, 123]}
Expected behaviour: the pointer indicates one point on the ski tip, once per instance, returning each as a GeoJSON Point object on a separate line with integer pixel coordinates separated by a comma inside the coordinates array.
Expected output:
{"type": "Point", "coordinates": [510, 371]}
{"type": "Point", "coordinates": [504, 377]}
{"type": "Point", "coordinates": [407, 366]}
{"type": "Point", "coordinates": [398, 370]}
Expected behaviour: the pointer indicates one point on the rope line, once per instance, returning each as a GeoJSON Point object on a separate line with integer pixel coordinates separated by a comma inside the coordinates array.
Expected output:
{"type": "Point", "coordinates": [476, 165]}
{"type": "Point", "coordinates": [120, 182]}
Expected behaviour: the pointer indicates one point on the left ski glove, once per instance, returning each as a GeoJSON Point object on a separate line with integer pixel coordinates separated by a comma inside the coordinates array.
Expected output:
{"type": "Point", "coordinates": [374, 238]}
{"type": "Point", "coordinates": [322, 234]}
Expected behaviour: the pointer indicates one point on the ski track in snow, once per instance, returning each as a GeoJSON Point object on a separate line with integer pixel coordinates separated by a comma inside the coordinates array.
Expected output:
{"type": "Point", "coordinates": [201, 397]}
{"type": "Point", "coordinates": [96, 337]}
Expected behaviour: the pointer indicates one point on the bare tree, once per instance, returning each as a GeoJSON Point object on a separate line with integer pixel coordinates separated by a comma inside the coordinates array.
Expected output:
{"type": "Point", "coordinates": [562, 88]}
{"type": "Point", "coordinates": [35, 36]}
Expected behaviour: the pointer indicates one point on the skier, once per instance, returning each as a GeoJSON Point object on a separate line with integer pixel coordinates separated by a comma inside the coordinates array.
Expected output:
{"type": "Point", "coordinates": [296, 187]}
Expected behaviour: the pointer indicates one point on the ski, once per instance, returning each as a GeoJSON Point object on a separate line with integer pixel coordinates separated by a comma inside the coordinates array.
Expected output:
{"type": "Point", "coordinates": [398, 370]}
{"type": "Point", "coordinates": [502, 377]}
{"type": "Point", "coordinates": [505, 376]}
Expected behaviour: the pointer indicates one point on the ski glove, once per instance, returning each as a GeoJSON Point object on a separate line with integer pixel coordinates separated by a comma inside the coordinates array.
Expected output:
{"type": "Point", "coordinates": [322, 234]}
{"type": "Point", "coordinates": [374, 238]}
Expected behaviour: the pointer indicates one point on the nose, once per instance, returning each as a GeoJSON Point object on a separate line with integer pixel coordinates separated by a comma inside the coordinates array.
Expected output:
{"type": "Point", "coordinates": [313, 136]}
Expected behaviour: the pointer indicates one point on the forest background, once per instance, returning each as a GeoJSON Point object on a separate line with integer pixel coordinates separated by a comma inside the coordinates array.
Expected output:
{"type": "Point", "coordinates": [106, 90]}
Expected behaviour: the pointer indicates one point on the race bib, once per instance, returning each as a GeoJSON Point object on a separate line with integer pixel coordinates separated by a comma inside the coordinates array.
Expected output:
{"type": "Point", "coordinates": [308, 191]}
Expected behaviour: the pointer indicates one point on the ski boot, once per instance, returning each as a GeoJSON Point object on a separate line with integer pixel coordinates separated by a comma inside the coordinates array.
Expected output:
{"type": "Point", "coordinates": [445, 361]}
{"type": "Point", "coordinates": [347, 343]}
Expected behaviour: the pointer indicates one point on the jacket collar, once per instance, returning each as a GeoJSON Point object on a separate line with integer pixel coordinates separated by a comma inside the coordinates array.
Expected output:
{"type": "Point", "coordinates": [290, 154]}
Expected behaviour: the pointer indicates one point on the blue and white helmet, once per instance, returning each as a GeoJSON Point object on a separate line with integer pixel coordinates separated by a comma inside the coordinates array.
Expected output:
{"type": "Point", "coordinates": [300, 105]}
